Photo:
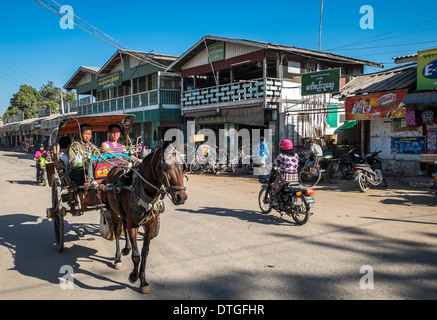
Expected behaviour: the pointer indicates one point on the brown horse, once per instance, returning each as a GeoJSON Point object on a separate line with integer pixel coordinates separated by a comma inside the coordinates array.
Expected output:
{"type": "Point", "coordinates": [160, 173]}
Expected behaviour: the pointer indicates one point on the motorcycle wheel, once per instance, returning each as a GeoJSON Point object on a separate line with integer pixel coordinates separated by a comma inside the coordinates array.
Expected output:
{"type": "Point", "coordinates": [334, 173]}
{"type": "Point", "coordinates": [362, 182]}
{"type": "Point", "coordinates": [301, 213]}
{"type": "Point", "coordinates": [309, 176]}
{"type": "Point", "coordinates": [194, 166]}
{"type": "Point", "coordinates": [264, 199]}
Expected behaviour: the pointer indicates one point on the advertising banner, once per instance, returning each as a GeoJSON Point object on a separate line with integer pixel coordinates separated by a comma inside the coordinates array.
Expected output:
{"type": "Point", "coordinates": [408, 145]}
{"type": "Point", "coordinates": [427, 69]}
{"type": "Point", "coordinates": [326, 81]}
{"type": "Point", "coordinates": [376, 105]}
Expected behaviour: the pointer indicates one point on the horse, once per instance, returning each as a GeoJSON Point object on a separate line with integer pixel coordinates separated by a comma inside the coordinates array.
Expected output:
{"type": "Point", "coordinates": [160, 173]}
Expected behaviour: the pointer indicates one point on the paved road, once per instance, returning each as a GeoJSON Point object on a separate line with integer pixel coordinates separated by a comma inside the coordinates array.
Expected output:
{"type": "Point", "coordinates": [219, 246]}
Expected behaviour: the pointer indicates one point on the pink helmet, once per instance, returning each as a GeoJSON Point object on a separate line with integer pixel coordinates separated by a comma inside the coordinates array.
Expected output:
{"type": "Point", "coordinates": [286, 144]}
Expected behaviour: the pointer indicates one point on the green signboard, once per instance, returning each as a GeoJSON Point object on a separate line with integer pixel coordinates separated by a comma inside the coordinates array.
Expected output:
{"type": "Point", "coordinates": [427, 69]}
{"type": "Point", "coordinates": [326, 81]}
{"type": "Point", "coordinates": [216, 51]}
{"type": "Point", "coordinates": [331, 116]}
{"type": "Point", "coordinates": [111, 81]}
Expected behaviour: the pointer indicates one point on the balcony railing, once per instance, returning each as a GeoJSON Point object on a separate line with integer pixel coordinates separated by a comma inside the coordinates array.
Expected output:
{"type": "Point", "coordinates": [267, 88]}
{"type": "Point", "coordinates": [143, 99]}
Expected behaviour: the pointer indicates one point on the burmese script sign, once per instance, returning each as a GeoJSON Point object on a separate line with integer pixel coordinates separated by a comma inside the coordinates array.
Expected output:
{"type": "Point", "coordinates": [326, 81]}
{"type": "Point", "coordinates": [376, 105]}
{"type": "Point", "coordinates": [111, 81]}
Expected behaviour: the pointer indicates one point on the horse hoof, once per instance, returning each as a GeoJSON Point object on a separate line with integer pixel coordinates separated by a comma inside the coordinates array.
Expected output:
{"type": "Point", "coordinates": [125, 252]}
{"type": "Point", "coordinates": [118, 266]}
{"type": "Point", "coordinates": [145, 289]}
{"type": "Point", "coordinates": [132, 279]}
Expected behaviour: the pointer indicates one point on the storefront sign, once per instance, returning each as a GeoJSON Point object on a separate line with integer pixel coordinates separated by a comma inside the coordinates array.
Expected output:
{"type": "Point", "coordinates": [427, 69]}
{"type": "Point", "coordinates": [327, 81]}
{"type": "Point", "coordinates": [376, 105]}
{"type": "Point", "coordinates": [111, 81]}
{"type": "Point", "coordinates": [216, 51]}
{"type": "Point", "coordinates": [408, 145]}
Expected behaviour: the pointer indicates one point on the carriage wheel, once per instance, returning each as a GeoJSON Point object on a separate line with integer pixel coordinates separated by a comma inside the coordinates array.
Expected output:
{"type": "Point", "coordinates": [58, 223]}
{"type": "Point", "coordinates": [58, 213]}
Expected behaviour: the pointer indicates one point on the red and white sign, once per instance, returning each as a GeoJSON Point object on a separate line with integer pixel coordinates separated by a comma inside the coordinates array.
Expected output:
{"type": "Point", "coordinates": [376, 105]}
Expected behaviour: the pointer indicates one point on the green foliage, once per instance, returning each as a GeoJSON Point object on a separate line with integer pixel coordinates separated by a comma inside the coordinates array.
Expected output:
{"type": "Point", "coordinates": [29, 100]}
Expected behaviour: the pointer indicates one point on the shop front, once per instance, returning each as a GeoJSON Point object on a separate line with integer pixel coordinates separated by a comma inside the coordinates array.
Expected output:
{"type": "Point", "coordinates": [398, 127]}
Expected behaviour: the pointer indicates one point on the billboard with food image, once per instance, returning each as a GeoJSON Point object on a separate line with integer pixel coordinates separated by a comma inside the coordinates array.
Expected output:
{"type": "Point", "coordinates": [376, 105]}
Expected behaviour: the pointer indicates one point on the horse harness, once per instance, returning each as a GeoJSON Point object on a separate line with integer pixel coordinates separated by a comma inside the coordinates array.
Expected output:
{"type": "Point", "coordinates": [144, 207]}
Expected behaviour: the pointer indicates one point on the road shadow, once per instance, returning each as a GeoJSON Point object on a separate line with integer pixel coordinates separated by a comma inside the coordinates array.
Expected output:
{"type": "Point", "coordinates": [243, 214]}
{"type": "Point", "coordinates": [17, 155]}
{"type": "Point", "coordinates": [30, 242]}
{"type": "Point", "coordinates": [25, 182]}
{"type": "Point", "coordinates": [384, 254]}
{"type": "Point", "coordinates": [409, 198]}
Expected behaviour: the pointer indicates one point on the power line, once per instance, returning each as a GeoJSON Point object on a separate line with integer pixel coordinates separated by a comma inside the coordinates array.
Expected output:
{"type": "Point", "coordinates": [95, 32]}
{"type": "Point", "coordinates": [359, 42]}
{"type": "Point", "coordinates": [389, 46]}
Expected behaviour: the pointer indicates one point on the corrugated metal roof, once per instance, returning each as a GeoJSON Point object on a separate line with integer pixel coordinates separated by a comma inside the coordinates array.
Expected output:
{"type": "Point", "coordinates": [421, 97]}
{"type": "Point", "coordinates": [395, 79]}
{"type": "Point", "coordinates": [208, 39]}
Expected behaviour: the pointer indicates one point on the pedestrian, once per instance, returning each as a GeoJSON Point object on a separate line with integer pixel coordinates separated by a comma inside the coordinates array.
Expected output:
{"type": "Point", "coordinates": [287, 161]}
{"type": "Point", "coordinates": [263, 152]}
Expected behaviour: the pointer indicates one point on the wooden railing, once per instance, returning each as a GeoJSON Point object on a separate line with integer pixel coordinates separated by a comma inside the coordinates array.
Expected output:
{"type": "Point", "coordinates": [238, 91]}
{"type": "Point", "coordinates": [143, 99]}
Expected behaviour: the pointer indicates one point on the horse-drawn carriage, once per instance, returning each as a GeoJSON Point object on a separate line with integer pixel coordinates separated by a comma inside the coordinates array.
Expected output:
{"type": "Point", "coordinates": [69, 197]}
{"type": "Point", "coordinates": [138, 202]}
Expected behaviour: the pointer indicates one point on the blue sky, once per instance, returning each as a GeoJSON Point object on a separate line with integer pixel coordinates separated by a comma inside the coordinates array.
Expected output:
{"type": "Point", "coordinates": [34, 48]}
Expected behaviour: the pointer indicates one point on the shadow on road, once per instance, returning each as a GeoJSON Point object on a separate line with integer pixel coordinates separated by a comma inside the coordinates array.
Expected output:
{"type": "Point", "coordinates": [251, 216]}
{"type": "Point", "coordinates": [31, 244]}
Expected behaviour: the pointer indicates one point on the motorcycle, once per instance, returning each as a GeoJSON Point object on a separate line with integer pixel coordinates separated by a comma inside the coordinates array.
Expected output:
{"type": "Point", "coordinates": [344, 167]}
{"type": "Point", "coordinates": [293, 199]}
{"type": "Point", "coordinates": [369, 173]}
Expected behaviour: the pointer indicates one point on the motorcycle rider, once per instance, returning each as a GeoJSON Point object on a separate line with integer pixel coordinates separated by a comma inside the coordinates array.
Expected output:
{"type": "Point", "coordinates": [287, 161]}
{"type": "Point", "coordinates": [36, 158]}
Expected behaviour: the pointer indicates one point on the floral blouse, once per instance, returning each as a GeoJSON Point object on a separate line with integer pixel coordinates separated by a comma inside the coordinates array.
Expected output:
{"type": "Point", "coordinates": [287, 164]}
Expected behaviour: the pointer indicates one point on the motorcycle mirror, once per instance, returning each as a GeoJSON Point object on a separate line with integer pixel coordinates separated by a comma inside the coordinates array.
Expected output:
{"type": "Point", "coordinates": [377, 145]}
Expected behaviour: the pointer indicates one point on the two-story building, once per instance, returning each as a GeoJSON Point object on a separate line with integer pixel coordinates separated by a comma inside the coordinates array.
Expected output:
{"type": "Point", "coordinates": [234, 83]}
{"type": "Point", "coordinates": [131, 82]}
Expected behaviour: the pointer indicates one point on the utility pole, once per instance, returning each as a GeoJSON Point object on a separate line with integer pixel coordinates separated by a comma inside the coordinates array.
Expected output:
{"type": "Point", "coordinates": [320, 25]}
{"type": "Point", "coordinates": [62, 102]}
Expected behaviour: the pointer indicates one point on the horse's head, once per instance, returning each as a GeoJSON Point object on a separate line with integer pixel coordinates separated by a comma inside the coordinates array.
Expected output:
{"type": "Point", "coordinates": [168, 166]}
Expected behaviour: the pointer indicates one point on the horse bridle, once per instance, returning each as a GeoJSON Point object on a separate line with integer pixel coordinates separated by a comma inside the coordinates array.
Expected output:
{"type": "Point", "coordinates": [168, 188]}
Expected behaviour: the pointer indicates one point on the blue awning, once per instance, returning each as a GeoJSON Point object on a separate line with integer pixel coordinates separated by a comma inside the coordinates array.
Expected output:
{"type": "Point", "coordinates": [420, 97]}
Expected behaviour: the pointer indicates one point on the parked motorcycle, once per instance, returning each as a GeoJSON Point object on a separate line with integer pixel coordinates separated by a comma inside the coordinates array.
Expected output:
{"type": "Point", "coordinates": [344, 167]}
{"type": "Point", "coordinates": [369, 173]}
{"type": "Point", "coordinates": [293, 199]}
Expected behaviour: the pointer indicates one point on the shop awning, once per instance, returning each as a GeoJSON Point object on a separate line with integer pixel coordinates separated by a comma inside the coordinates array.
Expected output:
{"type": "Point", "coordinates": [348, 124]}
{"type": "Point", "coordinates": [420, 97]}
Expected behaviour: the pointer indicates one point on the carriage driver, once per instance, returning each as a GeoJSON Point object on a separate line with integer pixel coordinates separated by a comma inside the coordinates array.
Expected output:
{"type": "Point", "coordinates": [78, 154]}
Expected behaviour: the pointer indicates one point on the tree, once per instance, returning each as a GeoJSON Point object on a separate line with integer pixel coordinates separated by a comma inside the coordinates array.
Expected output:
{"type": "Point", "coordinates": [25, 101]}
{"type": "Point", "coordinates": [28, 100]}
